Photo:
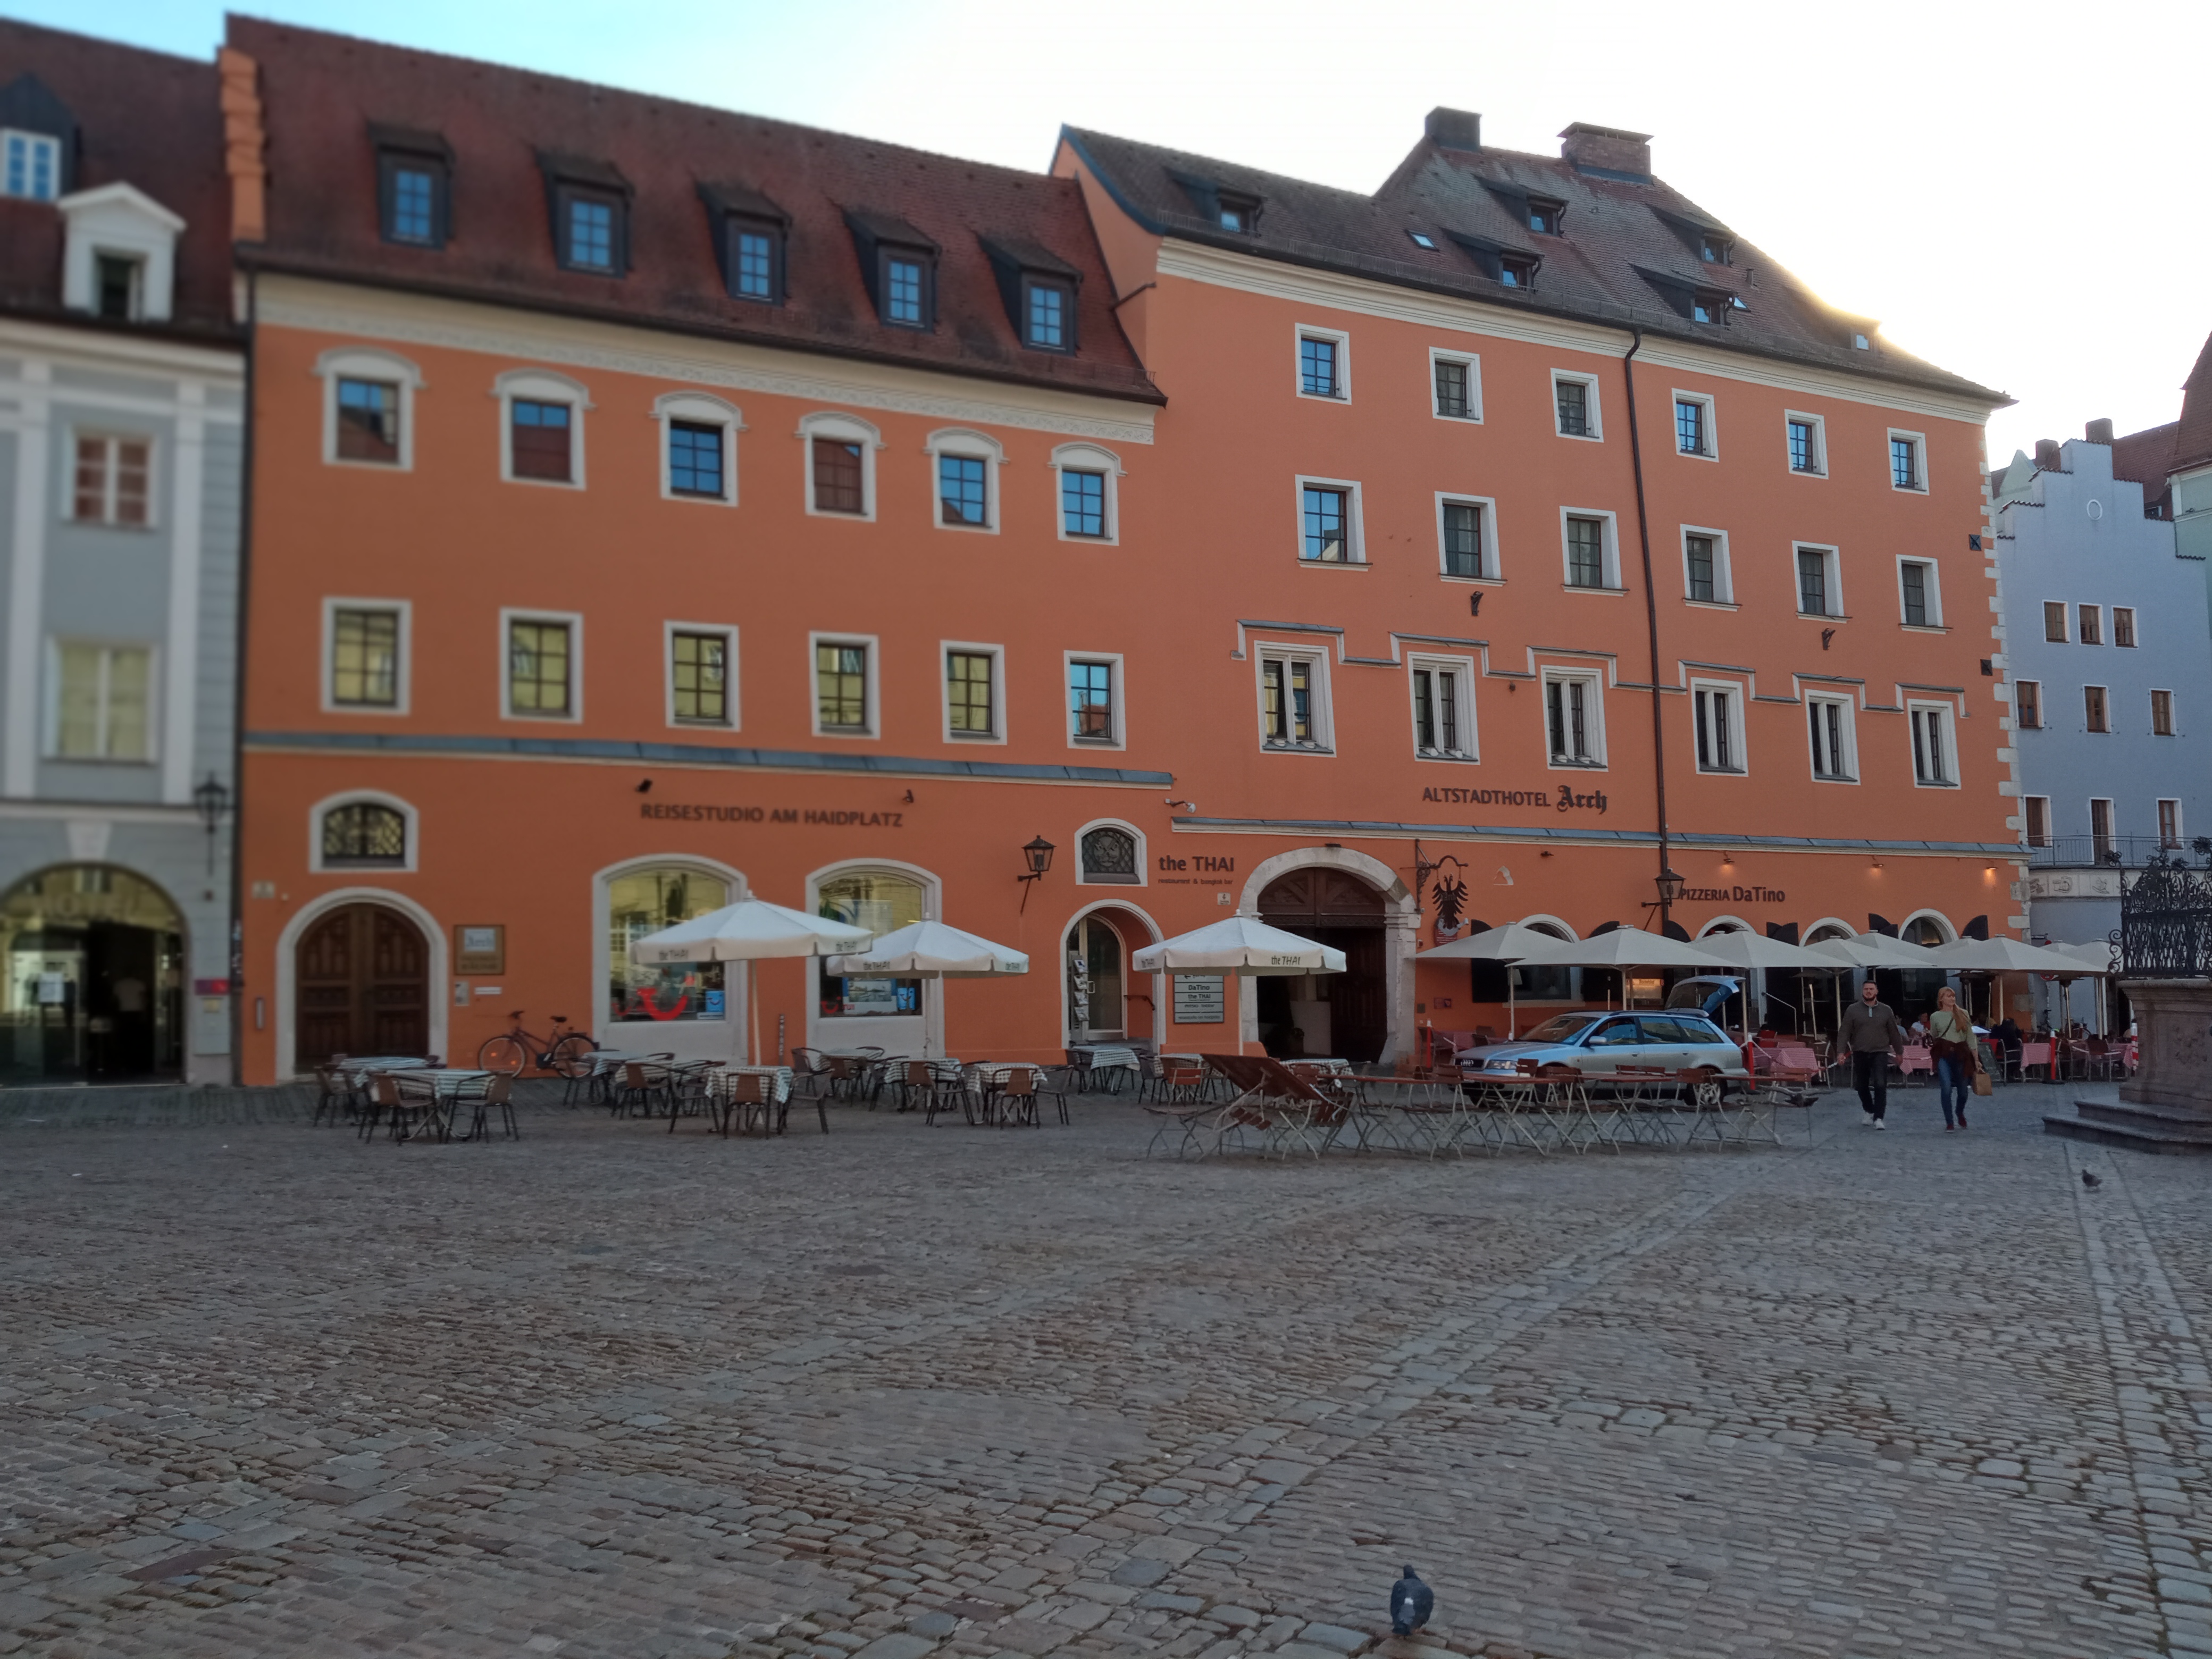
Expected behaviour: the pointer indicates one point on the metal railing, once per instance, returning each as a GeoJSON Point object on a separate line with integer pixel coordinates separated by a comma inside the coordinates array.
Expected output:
{"type": "Point", "coordinates": [2166, 923]}
{"type": "Point", "coordinates": [2115, 852]}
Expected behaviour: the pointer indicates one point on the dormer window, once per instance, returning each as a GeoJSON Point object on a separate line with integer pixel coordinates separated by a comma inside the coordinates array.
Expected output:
{"type": "Point", "coordinates": [1544, 214]}
{"type": "Point", "coordinates": [1039, 290]}
{"type": "Point", "coordinates": [119, 256]}
{"type": "Point", "coordinates": [118, 287]}
{"type": "Point", "coordinates": [1047, 314]}
{"type": "Point", "coordinates": [30, 165]}
{"type": "Point", "coordinates": [899, 265]}
{"type": "Point", "coordinates": [590, 203]}
{"type": "Point", "coordinates": [1714, 250]}
{"type": "Point", "coordinates": [1515, 272]}
{"type": "Point", "coordinates": [906, 289]}
{"type": "Point", "coordinates": [1238, 213]}
{"type": "Point", "coordinates": [587, 230]}
{"type": "Point", "coordinates": [1707, 308]}
{"type": "Point", "coordinates": [749, 234]}
{"type": "Point", "coordinates": [414, 179]}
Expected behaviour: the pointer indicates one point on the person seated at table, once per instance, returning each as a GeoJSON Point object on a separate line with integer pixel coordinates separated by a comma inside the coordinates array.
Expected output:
{"type": "Point", "coordinates": [2005, 1030]}
{"type": "Point", "coordinates": [1918, 1030]}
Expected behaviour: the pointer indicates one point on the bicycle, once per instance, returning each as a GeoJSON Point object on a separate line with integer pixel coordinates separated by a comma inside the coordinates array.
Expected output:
{"type": "Point", "coordinates": [565, 1053]}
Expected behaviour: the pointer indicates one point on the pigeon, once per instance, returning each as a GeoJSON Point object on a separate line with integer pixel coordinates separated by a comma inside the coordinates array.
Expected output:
{"type": "Point", "coordinates": [2090, 1181]}
{"type": "Point", "coordinates": [1411, 1603]}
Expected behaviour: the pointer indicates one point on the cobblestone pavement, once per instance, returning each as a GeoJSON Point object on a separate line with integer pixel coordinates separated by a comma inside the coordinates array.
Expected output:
{"type": "Point", "coordinates": [265, 1390]}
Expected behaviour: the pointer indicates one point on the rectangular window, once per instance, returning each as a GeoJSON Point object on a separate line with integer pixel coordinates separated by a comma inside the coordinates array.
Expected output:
{"type": "Point", "coordinates": [368, 421]}
{"type": "Point", "coordinates": [1453, 401]}
{"type": "Point", "coordinates": [1463, 538]}
{"type": "Point", "coordinates": [1083, 503]}
{"type": "Point", "coordinates": [699, 678]}
{"type": "Point", "coordinates": [1804, 446]}
{"type": "Point", "coordinates": [756, 260]}
{"type": "Point", "coordinates": [1689, 426]}
{"type": "Point", "coordinates": [30, 165]}
{"type": "Point", "coordinates": [1699, 551]}
{"type": "Point", "coordinates": [1090, 701]}
{"type": "Point", "coordinates": [695, 459]}
{"type": "Point", "coordinates": [365, 658]}
{"type": "Point", "coordinates": [905, 301]}
{"type": "Point", "coordinates": [102, 703]}
{"type": "Point", "coordinates": [412, 193]}
{"type": "Point", "coordinates": [114, 480]}
{"type": "Point", "coordinates": [2123, 627]}
{"type": "Point", "coordinates": [2100, 832]}
{"type": "Point", "coordinates": [537, 663]}
{"type": "Point", "coordinates": [538, 440]}
{"type": "Point", "coordinates": [2169, 824]}
{"type": "Point", "coordinates": [588, 239]}
{"type": "Point", "coordinates": [1287, 691]}
{"type": "Point", "coordinates": [1831, 719]}
{"type": "Point", "coordinates": [1516, 272]}
{"type": "Point", "coordinates": [118, 281]}
{"type": "Point", "coordinates": [1812, 582]}
{"type": "Point", "coordinates": [1436, 691]}
{"type": "Point", "coordinates": [1585, 552]}
{"type": "Point", "coordinates": [2054, 622]}
{"type": "Point", "coordinates": [1568, 703]}
{"type": "Point", "coordinates": [2161, 713]}
{"type": "Point", "coordinates": [1049, 315]}
{"type": "Point", "coordinates": [2037, 819]}
{"type": "Point", "coordinates": [1905, 463]}
{"type": "Point", "coordinates": [838, 475]}
{"type": "Point", "coordinates": [2091, 628]}
{"type": "Point", "coordinates": [968, 693]}
{"type": "Point", "coordinates": [1931, 747]}
{"type": "Point", "coordinates": [2094, 711]}
{"type": "Point", "coordinates": [1912, 577]}
{"type": "Point", "coordinates": [1573, 399]}
{"type": "Point", "coordinates": [1327, 519]}
{"type": "Point", "coordinates": [1719, 746]}
{"type": "Point", "coordinates": [961, 491]}
{"type": "Point", "coordinates": [2027, 703]}
{"type": "Point", "coordinates": [1317, 376]}
{"type": "Point", "coordinates": [841, 687]}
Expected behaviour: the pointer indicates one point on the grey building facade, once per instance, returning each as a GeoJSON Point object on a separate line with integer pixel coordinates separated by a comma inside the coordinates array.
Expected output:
{"type": "Point", "coordinates": [121, 432]}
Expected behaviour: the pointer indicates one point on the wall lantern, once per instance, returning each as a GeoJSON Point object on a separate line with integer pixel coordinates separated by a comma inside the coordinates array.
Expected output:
{"type": "Point", "coordinates": [1670, 889]}
{"type": "Point", "coordinates": [211, 800]}
{"type": "Point", "coordinates": [1038, 856]}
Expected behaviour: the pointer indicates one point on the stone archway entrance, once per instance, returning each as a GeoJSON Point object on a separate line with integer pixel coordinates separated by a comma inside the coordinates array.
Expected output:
{"type": "Point", "coordinates": [363, 973]}
{"type": "Point", "coordinates": [1344, 1015]}
{"type": "Point", "coordinates": [93, 991]}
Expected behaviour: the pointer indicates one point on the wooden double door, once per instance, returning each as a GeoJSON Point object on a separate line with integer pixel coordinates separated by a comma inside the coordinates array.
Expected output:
{"type": "Point", "coordinates": [362, 979]}
{"type": "Point", "coordinates": [1333, 908]}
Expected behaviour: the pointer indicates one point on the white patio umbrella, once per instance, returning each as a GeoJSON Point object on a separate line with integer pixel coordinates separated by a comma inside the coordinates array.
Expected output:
{"type": "Point", "coordinates": [1620, 947]}
{"type": "Point", "coordinates": [748, 931]}
{"type": "Point", "coordinates": [1756, 953]}
{"type": "Point", "coordinates": [929, 950]}
{"type": "Point", "coordinates": [1507, 944]}
{"type": "Point", "coordinates": [1866, 950]}
{"type": "Point", "coordinates": [2004, 955]}
{"type": "Point", "coordinates": [1242, 945]}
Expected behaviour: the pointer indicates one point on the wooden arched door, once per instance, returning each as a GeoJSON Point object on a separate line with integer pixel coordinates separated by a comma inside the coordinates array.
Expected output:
{"type": "Point", "coordinates": [363, 976]}
{"type": "Point", "coordinates": [1347, 1015]}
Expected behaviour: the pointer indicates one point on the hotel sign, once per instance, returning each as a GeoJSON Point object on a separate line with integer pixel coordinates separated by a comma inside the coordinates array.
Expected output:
{"type": "Point", "coordinates": [1565, 799]}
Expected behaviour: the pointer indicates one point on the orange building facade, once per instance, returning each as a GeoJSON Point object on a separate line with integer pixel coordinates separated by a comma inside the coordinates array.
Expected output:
{"type": "Point", "coordinates": [654, 507]}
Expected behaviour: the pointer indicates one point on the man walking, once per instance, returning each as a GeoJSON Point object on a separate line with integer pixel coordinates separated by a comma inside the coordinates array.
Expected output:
{"type": "Point", "coordinates": [1872, 1034]}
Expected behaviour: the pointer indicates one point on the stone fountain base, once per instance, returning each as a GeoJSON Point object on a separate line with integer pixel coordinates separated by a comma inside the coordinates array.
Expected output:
{"type": "Point", "coordinates": [2166, 1106]}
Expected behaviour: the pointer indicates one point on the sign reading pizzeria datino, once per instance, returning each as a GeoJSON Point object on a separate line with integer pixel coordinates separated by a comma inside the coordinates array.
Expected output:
{"type": "Point", "coordinates": [1566, 799]}
{"type": "Point", "coordinates": [1735, 895]}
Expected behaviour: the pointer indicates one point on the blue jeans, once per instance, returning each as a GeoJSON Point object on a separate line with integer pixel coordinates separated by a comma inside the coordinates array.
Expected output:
{"type": "Point", "coordinates": [1952, 1077]}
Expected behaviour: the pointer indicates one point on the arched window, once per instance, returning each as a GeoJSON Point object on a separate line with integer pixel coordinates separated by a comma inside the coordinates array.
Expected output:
{"type": "Point", "coordinates": [642, 902]}
{"type": "Point", "coordinates": [1109, 854]}
{"type": "Point", "coordinates": [364, 835]}
{"type": "Point", "coordinates": [882, 903]}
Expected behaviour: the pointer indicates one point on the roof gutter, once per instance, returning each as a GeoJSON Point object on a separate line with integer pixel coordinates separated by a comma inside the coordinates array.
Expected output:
{"type": "Point", "coordinates": [1651, 622]}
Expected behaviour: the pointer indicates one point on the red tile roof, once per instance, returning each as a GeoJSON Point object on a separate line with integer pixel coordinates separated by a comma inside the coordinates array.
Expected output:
{"type": "Point", "coordinates": [322, 92]}
{"type": "Point", "coordinates": [144, 119]}
{"type": "Point", "coordinates": [2192, 442]}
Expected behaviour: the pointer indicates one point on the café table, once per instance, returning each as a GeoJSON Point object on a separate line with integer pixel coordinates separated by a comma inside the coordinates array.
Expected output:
{"type": "Point", "coordinates": [780, 1081]}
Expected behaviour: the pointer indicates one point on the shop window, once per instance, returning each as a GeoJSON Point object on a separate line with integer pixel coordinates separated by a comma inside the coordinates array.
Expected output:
{"type": "Point", "coordinates": [882, 903]}
{"type": "Point", "coordinates": [644, 902]}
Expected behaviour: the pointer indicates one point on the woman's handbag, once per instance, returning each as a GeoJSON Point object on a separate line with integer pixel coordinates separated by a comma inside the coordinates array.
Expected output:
{"type": "Point", "coordinates": [1981, 1086]}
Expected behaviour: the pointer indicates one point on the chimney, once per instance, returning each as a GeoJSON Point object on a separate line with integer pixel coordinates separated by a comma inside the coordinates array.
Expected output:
{"type": "Point", "coordinates": [1608, 152]}
{"type": "Point", "coordinates": [1454, 129]}
{"type": "Point", "coordinates": [2097, 432]}
{"type": "Point", "coordinates": [2046, 455]}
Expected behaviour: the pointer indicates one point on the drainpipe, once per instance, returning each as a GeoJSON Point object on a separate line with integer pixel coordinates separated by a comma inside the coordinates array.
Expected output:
{"type": "Point", "coordinates": [237, 696]}
{"type": "Point", "coordinates": [1650, 617]}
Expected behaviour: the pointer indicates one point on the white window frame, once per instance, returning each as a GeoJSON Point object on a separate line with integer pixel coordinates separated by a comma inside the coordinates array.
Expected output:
{"type": "Point", "coordinates": [2027, 821]}
{"type": "Point", "coordinates": [1087, 458]}
{"type": "Point", "coordinates": [698, 409]}
{"type": "Point", "coordinates": [1470, 749]}
{"type": "Point", "coordinates": [1919, 461]}
{"type": "Point", "coordinates": [2041, 709]}
{"type": "Point", "coordinates": [407, 811]}
{"type": "Point", "coordinates": [1589, 385]}
{"type": "Point", "coordinates": [669, 630]}
{"type": "Point", "coordinates": [367, 363]}
{"type": "Point", "coordinates": [1116, 702]}
{"type": "Point", "coordinates": [841, 428]}
{"type": "Point", "coordinates": [2065, 622]}
{"type": "Point", "coordinates": [2112, 821]}
{"type": "Point", "coordinates": [967, 444]}
{"type": "Point", "coordinates": [542, 386]}
{"type": "Point", "coordinates": [1144, 853]}
{"type": "Point", "coordinates": [1473, 364]}
{"type": "Point", "coordinates": [873, 645]}
{"type": "Point", "coordinates": [1708, 426]}
{"type": "Point", "coordinates": [2088, 730]}
{"type": "Point", "coordinates": [402, 673]}
{"type": "Point", "coordinates": [1832, 563]}
{"type": "Point", "coordinates": [2134, 627]}
{"type": "Point", "coordinates": [1316, 658]}
{"type": "Point", "coordinates": [156, 713]}
{"type": "Point", "coordinates": [574, 619]}
{"type": "Point", "coordinates": [2173, 712]}
{"type": "Point", "coordinates": [1494, 570]}
{"type": "Point", "coordinates": [1846, 729]}
{"type": "Point", "coordinates": [1913, 708]}
{"type": "Point", "coordinates": [1593, 717]}
{"type": "Point", "coordinates": [1724, 572]}
{"type": "Point", "coordinates": [997, 654]}
{"type": "Point", "coordinates": [1342, 342]}
{"type": "Point", "coordinates": [2180, 829]}
{"type": "Point", "coordinates": [1819, 425]}
{"type": "Point", "coordinates": [1731, 693]}
{"type": "Point", "coordinates": [1934, 591]}
{"type": "Point", "coordinates": [1611, 571]}
{"type": "Point", "coordinates": [2080, 635]}
{"type": "Point", "coordinates": [109, 434]}
{"type": "Point", "coordinates": [44, 141]}
{"type": "Point", "coordinates": [1355, 527]}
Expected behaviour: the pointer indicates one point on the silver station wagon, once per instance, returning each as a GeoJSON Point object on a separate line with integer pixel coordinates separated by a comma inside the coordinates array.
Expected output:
{"type": "Point", "coordinates": [1598, 1042]}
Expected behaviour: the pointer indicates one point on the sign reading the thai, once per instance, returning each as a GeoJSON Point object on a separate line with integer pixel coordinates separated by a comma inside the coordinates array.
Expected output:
{"type": "Point", "coordinates": [1199, 1000]}
{"type": "Point", "coordinates": [1565, 800]}
{"type": "Point", "coordinates": [1735, 895]}
{"type": "Point", "coordinates": [693, 810]}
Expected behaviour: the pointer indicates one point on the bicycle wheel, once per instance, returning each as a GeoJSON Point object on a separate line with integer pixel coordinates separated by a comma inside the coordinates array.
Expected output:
{"type": "Point", "coordinates": [502, 1053]}
{"type": "Point", "coordinates": [572, 1055]}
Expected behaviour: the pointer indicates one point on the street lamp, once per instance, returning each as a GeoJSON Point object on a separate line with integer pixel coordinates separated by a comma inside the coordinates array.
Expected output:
{"type": "Point", "coordinates": [1038, 856]}
{"type": "Point", "coordinates": [211, 800]}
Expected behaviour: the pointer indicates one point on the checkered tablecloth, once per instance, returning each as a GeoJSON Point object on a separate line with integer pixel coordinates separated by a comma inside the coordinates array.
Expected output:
{"type": "Point", "coordinates": [780, 1091]}
{"type": "Point", "coordinates": [1109, 1058]}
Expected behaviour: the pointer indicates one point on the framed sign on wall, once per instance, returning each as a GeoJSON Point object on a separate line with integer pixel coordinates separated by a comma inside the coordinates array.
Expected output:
{"type": "Point", "coordinates": [1199, 1000]}
{"type": "Point", "coordinates": [480, 948]}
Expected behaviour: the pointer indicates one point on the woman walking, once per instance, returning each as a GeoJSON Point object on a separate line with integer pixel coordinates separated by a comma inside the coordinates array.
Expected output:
{"type": "Point", "coordinates": [1951, 1039]}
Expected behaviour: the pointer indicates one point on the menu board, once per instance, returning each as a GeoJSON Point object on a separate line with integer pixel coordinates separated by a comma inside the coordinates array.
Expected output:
{"type": "Point", "coordinates": [1199, 1000]}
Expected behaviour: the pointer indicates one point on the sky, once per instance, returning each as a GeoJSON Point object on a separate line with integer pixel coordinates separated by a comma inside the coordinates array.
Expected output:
{"type": "Point", "coordinates": [2019, 193]}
